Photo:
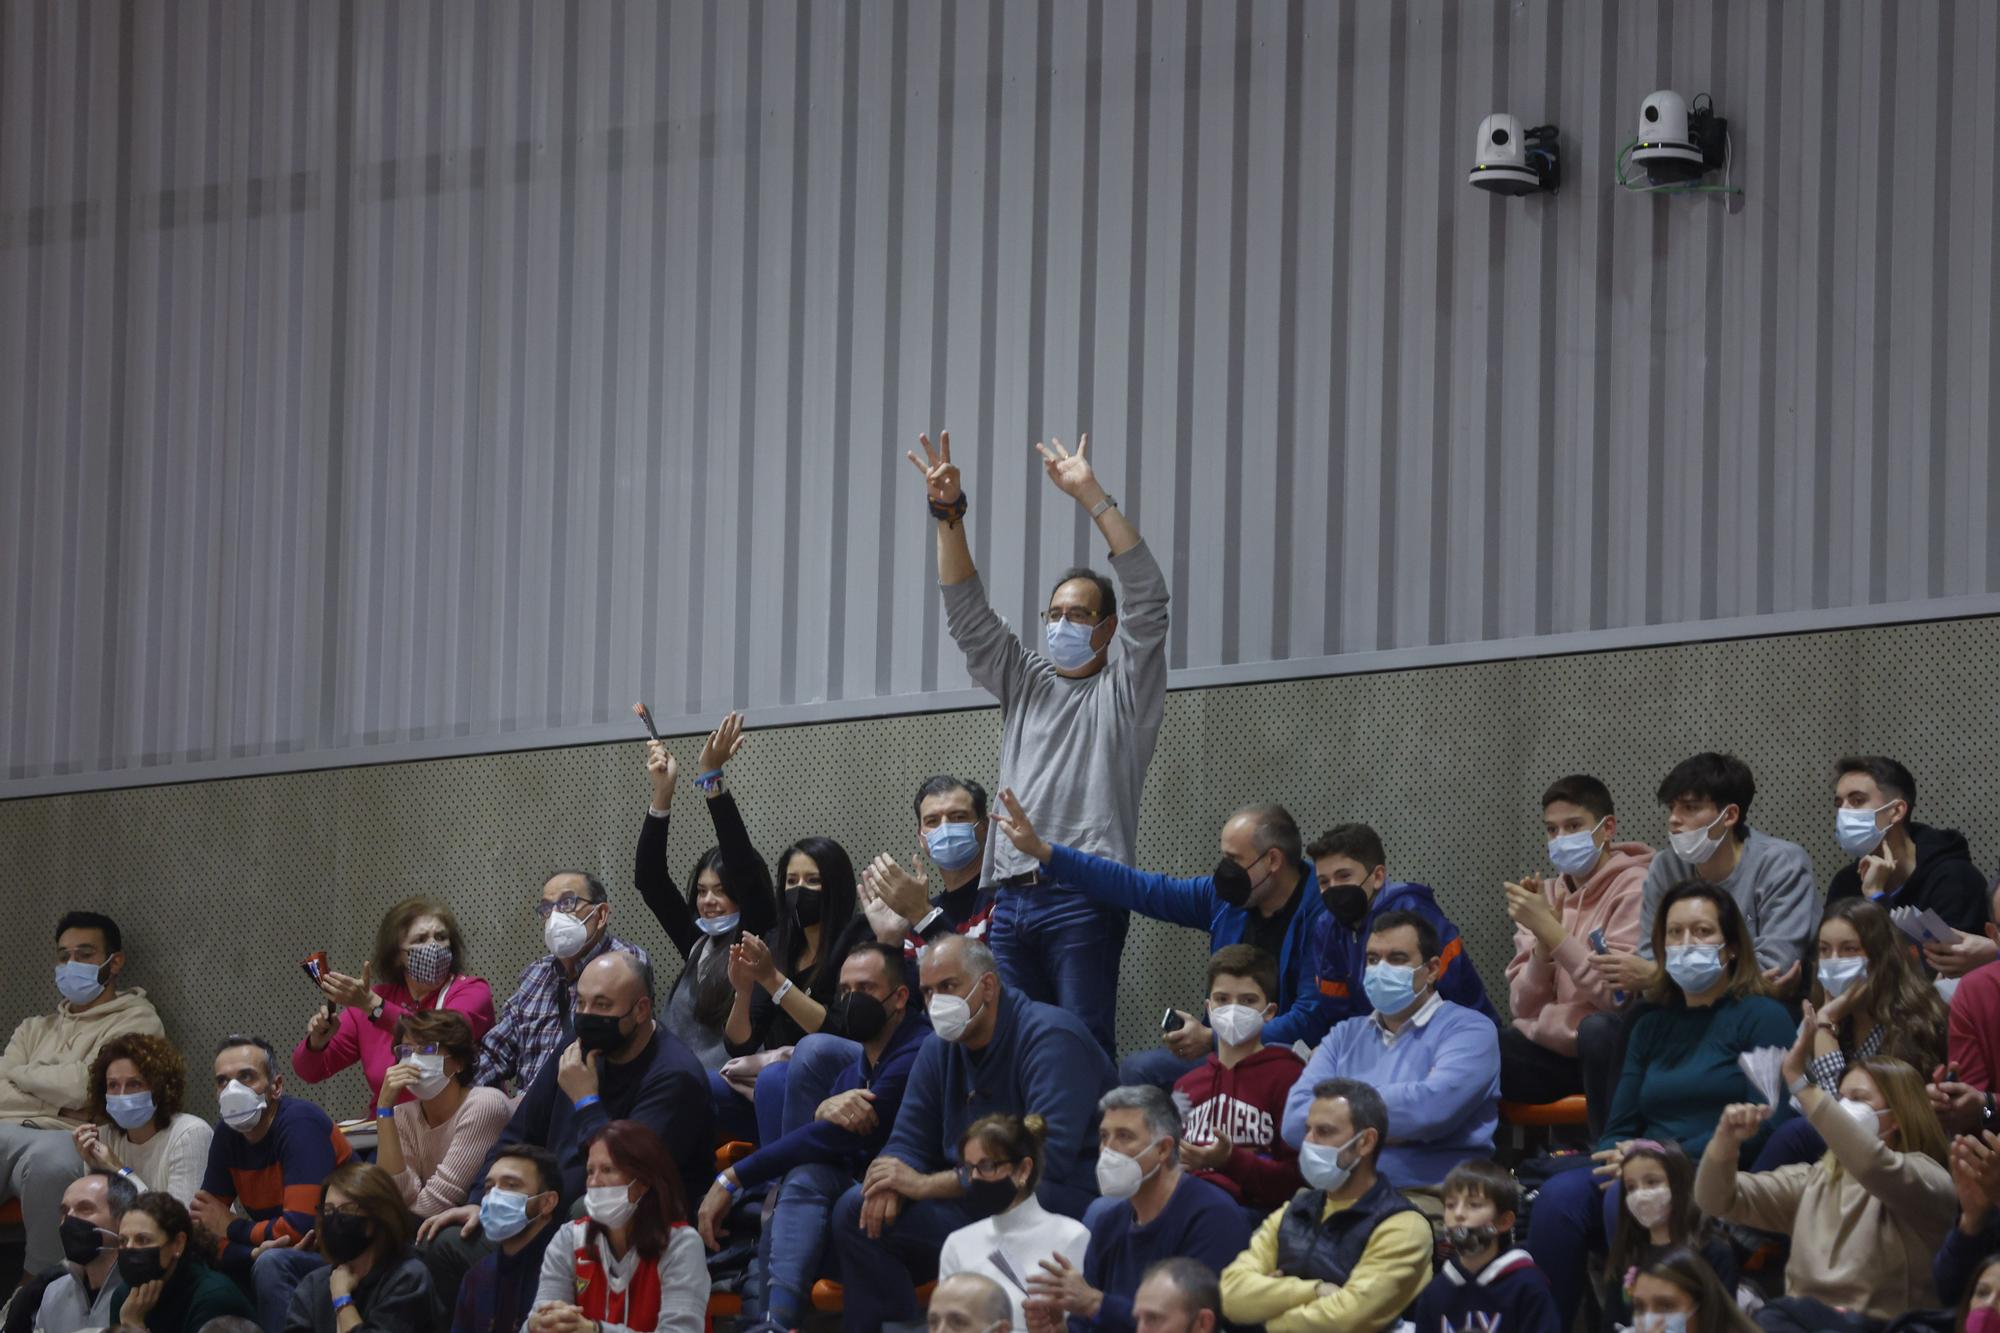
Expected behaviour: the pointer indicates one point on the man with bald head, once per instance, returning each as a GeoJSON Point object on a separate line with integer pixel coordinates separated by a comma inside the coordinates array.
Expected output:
{"type": "Point", "coordinates": [621, 1066]}
{"type": "Point", "coordinates": [969, 1303]}
{"type": "Point", "coordinates": [1262, 892]}
{"type": "Point", "coordinates": [535, 1022]}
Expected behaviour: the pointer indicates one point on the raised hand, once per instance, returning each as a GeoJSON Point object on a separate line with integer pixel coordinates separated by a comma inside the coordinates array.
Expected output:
{"type": "Point", "coordinates": [1020, 830]}
{"type": "Point", "coordinates": [722, 743]}
{"type": "Point", "coordinates": [888, 924]}
{"type": "Point", "coordinates": [354, 992]}
{"type": "Point", "coordinates": [1529, 908]}
{"type": "Point", "coordinates": [1740, 1123]}
{"type": "Point", "coordinates": [940, 473]}
{"type": "Point", "coordinates": [663, 772]}
{"type": "Point", "coordinates": [1071, 472]}
{"type": "Point", "coordinates": [1800, 1056]}
{"type": "Point", "coordinates": [757, 957]}
{"type": "Point", "coordinates": [1975, 1176]}
{"type": "Point", "coordinates": [905, 892]}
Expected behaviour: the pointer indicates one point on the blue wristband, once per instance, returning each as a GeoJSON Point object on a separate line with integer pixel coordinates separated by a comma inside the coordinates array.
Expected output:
{"type": "Point", "coordinates": [591, 1100]}
{"type": "Point", "coordinates": [341, 1303]}
{"type": "Point", "coordinates": [710, 781]}
{"type": "Point", "coordinates": [385, 1113]}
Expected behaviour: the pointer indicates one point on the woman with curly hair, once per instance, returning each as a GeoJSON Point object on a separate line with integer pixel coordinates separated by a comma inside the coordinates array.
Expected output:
{"type": "Point", "coordinates": [169, 1286]}
{"type": "Point", "coordinates": [138, 1129]}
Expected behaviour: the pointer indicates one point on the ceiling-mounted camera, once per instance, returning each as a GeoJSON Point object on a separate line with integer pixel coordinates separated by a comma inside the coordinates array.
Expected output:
{"type": "Point", "coordinates": [1512, 161]}
{"type": "Point", "coordinates": [1678, 143]}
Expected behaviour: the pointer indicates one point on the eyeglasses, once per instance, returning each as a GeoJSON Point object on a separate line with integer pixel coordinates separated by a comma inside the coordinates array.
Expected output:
{"type": "Point", "coordinates": [991, 1169]}
{"type": "Point", "coordinates": [405, 1051]}
{"type": "Point", "coordinates": [569, 904]}
{"type": "Point", "coordinates": [1075, 615]}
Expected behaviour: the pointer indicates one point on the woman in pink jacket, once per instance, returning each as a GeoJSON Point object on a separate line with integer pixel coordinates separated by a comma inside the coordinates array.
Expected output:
{"type": "Point", "coordinates": [418, 955]}
{"type": "Point", "coordinates": [1598, 886]}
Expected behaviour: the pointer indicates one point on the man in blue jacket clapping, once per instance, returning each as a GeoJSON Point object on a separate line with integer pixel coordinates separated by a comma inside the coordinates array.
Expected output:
{"type": "Point", "coordinates": [1261, 892]}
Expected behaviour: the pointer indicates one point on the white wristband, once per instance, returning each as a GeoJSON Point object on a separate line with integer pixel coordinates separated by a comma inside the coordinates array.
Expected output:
{"type": "Point", "coordinates": [929, 917]}
{"type": "Point", "coordinates": [778, 995]}
{"type": "Point", "coordinates": [651, 813]}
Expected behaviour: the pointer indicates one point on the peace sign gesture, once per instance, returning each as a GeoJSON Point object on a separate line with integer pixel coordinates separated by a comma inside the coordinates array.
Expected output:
{"type": "Point", "coordinates": [940, 473]}
{"type": "Point", "coordinates": [1071, 472]}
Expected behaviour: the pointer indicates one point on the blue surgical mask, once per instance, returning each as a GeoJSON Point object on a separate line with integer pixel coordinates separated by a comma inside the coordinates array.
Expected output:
{"type": "Point", "coordinates": [718, 925]}
{"type": "Point", "coordinates": [1390, 988]}
{"type": "Point", "coordinates": [1661, 1323]}
{"type": "Point", "coordinates": [1837, 974]}
{"type": "Point", "coordinates": [1855, 830]}
{"type": "Point", "coordinates": [1694, 967]}
{"type": "Point", "coordinates": [503, 1214]}
{"type": "Point", "coordinates": [1575, 854]}
{"type": "Point", "coordinates": [132, 1111]}
{"type": "Point", "coordinates": [953, 846]}
{"type": "Point", "coordinates": [80, 983]}
{"type": "Point", "coordinates": [1320, 1164]}
{"type": "Point", "coordinates": [1069, 644]}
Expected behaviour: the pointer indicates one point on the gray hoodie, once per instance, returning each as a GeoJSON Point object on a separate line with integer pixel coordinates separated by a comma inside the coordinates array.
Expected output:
{"type": "Point", "coordinates": [1773, 884]}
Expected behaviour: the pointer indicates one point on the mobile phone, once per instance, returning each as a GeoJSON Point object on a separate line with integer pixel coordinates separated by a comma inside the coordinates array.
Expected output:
{"type": "Point", "coordinates": [1171, 1021]}
{"type": "Point", "coordinates": [1597, 943]}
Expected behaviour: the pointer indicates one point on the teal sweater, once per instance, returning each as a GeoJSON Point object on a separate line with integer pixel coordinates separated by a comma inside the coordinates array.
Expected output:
{"type": "Point", "coordinates": [1681, 1071]}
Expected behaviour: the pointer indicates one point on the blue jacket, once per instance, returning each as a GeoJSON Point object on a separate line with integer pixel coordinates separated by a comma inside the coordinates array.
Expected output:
{"type": "Point", "coordinates": [1305, 1012]}
{"type": "Point", "coordinates": [1343, 956]}
{"type": "Point", "coordinates": [1041, 1060]}
{"type": "Point", "coordinates": [823, 1142]}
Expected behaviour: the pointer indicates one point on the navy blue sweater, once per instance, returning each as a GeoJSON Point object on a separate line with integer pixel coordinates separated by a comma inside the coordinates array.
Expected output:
{"type": "Point", "coordinates": [1510, 1287]}
{"type": "Point", "coordinates": [1200, 1222]}
{"type": "Point", "coordinates": [829, 1144]}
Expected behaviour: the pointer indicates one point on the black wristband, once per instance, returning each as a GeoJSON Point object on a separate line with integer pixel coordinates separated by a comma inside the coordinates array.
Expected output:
{"type": "Point", "coordinates": [948, 513]}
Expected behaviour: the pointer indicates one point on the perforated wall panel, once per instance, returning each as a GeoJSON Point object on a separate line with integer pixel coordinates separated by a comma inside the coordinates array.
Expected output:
{"type": "Point", "coordinates": [221, 887]}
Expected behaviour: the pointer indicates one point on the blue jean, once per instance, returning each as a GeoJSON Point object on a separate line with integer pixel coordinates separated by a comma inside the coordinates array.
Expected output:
{"type": "Point", "coordinates": [1055, 945]}
{"type": "Point", "coordinates": [1793, 1141]}
{"type": "Point", "coordinates": [795, 1238]}
{"type": "Point", "coordinates": [1572, 1219]}
{"type": "Point", "coordinates": [880, 1277]}
{"type": "Point", "coordinates": [273, 1277]}
{"type": "Point", "coordinates": [1159, 1068]}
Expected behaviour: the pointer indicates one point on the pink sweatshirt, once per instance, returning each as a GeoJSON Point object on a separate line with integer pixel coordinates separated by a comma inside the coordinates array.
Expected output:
{"type": "Point", "coordinates": [374, 1043]}
{"type": "Point", "coordinates": [1551, 993]}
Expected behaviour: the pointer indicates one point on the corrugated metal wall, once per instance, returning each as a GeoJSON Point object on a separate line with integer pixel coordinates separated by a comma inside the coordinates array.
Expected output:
{"type": "Point", "coordinates": [383, 379]}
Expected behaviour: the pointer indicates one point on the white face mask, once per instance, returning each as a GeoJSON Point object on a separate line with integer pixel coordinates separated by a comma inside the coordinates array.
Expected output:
{"type": "Point", "coordinates": [610, 1205]}
{"type": "Point", "coordinates": [434, 1080]}
{"type": "Point", "coordinates": [718, 925]}
{"type": "Point", "coordinates": [1660, 1323]}
{"type": "Point", "coordinates": [1649, 1207]}
{"type": "Point", "coordinates": [1694, 846]}
{"type": "Point", "coordinates": [565, 935]}
{"type": "Point", "coordinates": [1837, 974]}
{"type": "Point", "coordinates": [1236, 1024]}
{"type": "Point", "coordinates": [1320, 1164]}
{"type": "Point", "coordinates": [1855, 830]}
{"type": "Point", "coordinates": [240, 1106]}
{"type": "Point", "coordinates": [951, 1016]}
{"type": "Point", "coordinates": [1119, 1176]}
{"type": "Point", "coordinates": [1864, 1115]}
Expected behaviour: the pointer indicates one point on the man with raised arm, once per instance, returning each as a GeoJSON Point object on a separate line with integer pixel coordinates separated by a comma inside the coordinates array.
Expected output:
{"type": "Point", "coordinates": [1077, 731]}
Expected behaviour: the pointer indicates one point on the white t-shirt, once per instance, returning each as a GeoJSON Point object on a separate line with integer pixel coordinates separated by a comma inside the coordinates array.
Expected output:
{"type": "Point", "coordinates": [173, 1160]}
{"type": "Point", "coordinates": [1024, 1235]}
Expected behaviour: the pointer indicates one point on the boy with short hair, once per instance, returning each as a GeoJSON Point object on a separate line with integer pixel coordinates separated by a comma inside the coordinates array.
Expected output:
{"type": "Point", "coordinates": [1479, 1287]}
{"type": "Point", "coordinates": [1233, 1103]}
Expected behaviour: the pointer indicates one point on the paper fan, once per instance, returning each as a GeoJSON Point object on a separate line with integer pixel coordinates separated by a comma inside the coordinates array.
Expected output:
{"type": "Point", "coordinates": [1761, 1067]}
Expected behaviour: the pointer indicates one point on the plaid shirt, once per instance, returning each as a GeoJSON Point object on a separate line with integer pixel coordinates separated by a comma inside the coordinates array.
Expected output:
{"type": "Point", "coordinates": [534, 1023]}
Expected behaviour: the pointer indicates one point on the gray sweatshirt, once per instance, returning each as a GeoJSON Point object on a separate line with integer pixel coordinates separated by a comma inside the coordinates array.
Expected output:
{"type": "Point", "coordinates": [1774, 886]}
{"type": "Point", "coordinates": [1074, 751]}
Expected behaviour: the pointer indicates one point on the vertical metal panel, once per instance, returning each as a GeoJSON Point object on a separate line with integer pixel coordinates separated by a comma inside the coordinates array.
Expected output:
{"type": "Point", "coordinates": [388, 380]}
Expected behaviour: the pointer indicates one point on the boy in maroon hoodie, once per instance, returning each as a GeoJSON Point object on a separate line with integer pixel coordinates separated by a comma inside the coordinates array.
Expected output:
{"type": "Point", "coordinates": [1234, 1103]}
{"type": "Point", "coordinates": [1599, 886]}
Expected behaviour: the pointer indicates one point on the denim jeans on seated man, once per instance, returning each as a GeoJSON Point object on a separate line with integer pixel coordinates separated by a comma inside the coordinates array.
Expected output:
{"type": "Point", "coordinates": [880, 1277]}
{"type": "Point", "coordinates": [273, 1277]}
{"type": "Point", "coordinates": [1055, 945]}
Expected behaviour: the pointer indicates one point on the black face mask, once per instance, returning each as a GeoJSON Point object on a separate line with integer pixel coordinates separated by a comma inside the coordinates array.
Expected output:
{"type": "Point", "coordinates": [860, 1015]}
{"type": "Point", "coordinates": [1232, 882]}
{"type": "Point", "coordinates": [81, 1242]}
{"type": "Point", "coordinates": [601, 1032]}
{"type": "Point", "coordinates": [1347, 902]}
{"type": "Point", "coordinates": [345, 1236]}
{"type": "Point", "coordinates": [807, 905]}
{"type": "Point", "coordinates": [140, 1266]}
{"type": "Point", "coordinates": [987, 1198]}
{"type": "Point", "coordinates": [1470, 1240]}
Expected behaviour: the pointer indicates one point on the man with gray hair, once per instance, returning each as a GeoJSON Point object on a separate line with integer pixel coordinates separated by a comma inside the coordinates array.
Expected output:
{"type": "Point", "coordinates": [1151, 1209]}
{"type": "Point", "coordinates": [969, 1303]}
{"type": "Point", "coordinates": [1178, 1296]}
{"type": "Point", "coordinates": [996, 1053]}
{"type": "Point", "coordinates": [84, 1296]}
{"type": "Point", "coordinates": [1262, 892]}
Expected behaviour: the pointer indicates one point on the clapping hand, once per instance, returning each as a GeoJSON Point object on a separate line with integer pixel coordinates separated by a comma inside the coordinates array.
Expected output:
{"type": "Point", "coordinates": [940, 473]}
{"type": "Point", "coordinates": [1975, 1176]}
{"type": "Point", "coordinates": [1061, 1284]}
{"type": "Point", "coordinates": [1800, 1056]}
{"type": "Point", "coordinates": [1529, 908]}
{"type": "Point", "coordinates": [1210, 1156]}
{"type": "Point", "coordinates": [750, 957]}
{"type": "Point", "coordinates": [907, 893]}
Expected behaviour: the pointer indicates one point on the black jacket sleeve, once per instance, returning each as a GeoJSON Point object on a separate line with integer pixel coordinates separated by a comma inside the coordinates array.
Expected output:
{"type": "Point", "coordinates": [655, 882]}
{"type": "Point", "coordinates": [745, 875]}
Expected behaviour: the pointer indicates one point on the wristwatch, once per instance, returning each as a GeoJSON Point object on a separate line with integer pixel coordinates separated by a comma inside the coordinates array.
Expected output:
{"type": "Point", "coordinates": [1109, 501]}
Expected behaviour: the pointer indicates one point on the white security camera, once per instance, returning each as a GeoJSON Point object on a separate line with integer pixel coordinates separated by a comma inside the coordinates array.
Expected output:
{"type": "Point", "coordinates": [1677, 146]}
{"type": "Point", "coordinates": [1510, 160]}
